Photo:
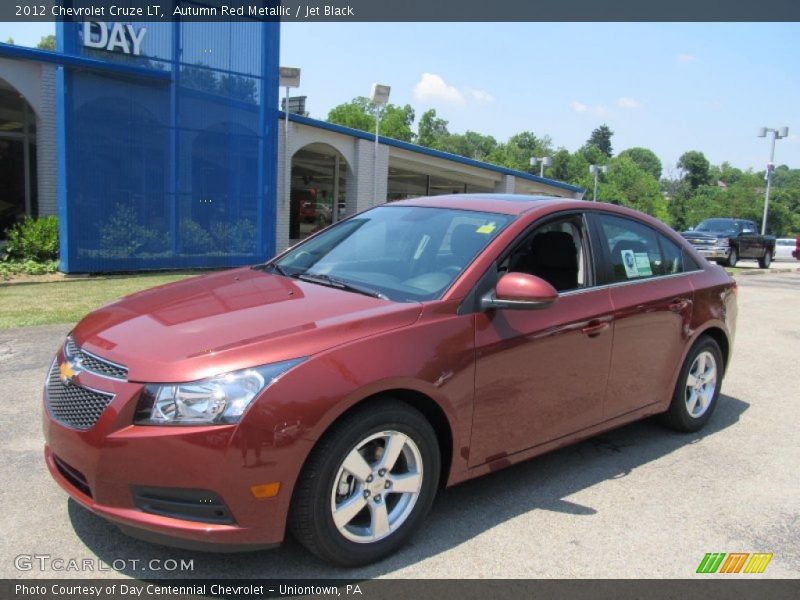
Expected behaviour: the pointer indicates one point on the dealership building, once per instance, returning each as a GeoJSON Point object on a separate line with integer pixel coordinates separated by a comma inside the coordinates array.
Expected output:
{"type": "Point", "coordinates": [162, 145]}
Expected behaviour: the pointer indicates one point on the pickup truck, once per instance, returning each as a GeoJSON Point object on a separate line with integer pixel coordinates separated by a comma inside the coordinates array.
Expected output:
{"type": "Point", "coordinates": [727, 240]}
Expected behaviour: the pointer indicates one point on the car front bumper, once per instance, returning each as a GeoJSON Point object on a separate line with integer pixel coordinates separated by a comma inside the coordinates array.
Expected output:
{"type": "Point", "coordinates": [104, 467]}
{"type": "Point", "coordinates": [714, 252]}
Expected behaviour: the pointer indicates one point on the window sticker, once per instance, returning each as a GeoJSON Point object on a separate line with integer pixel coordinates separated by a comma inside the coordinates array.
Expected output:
{"type": "Point", "coordinates": [488, 228]}
{"type": "Point", "coordinates": [629, 261]}
{"type": "Point", "coordinates": [643, 264]}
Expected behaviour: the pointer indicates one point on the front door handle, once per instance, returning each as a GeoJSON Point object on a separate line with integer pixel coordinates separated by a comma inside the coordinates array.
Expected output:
{"type": "Point", "coordinates": [595, 328]}
{"type": "Point", "coordinates": [678, 304]}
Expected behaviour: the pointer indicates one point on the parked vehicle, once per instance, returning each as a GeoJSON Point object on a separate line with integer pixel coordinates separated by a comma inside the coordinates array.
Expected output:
{"type": "Point", "coordinates": [728, 240]}
{"type": "Point", "coordinates": [413, 346]}
{"type": "Point", "coordinates": [796, 252]}
{"type": "Point", "coordinates": [785, 249]}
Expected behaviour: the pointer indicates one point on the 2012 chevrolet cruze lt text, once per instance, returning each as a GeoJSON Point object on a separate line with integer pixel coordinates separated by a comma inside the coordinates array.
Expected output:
{"type": "Point", "coordinates": [416, 345]}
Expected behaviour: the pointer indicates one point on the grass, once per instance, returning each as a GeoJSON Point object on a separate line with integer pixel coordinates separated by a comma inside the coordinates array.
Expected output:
{"type": "Point", "coordinates": [30, 303]}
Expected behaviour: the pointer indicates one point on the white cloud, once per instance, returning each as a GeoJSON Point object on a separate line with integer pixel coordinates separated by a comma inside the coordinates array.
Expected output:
{"type": "Point", "coordinates": [433, 87]}
{"type": "Point", "coordinates": [628, 102]}
{"type": "Point", "coordinates": [599, 109]}
{"type": "Point", "coordinates": [481, 96]}
{"type": "Point", "coordinates": [686, 58]}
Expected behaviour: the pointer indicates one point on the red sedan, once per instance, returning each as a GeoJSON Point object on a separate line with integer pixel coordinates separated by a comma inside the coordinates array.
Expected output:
{"type": "Point", "coordinates": [336, 388]}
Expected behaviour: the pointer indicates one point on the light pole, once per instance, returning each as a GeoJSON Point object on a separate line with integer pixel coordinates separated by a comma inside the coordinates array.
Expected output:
{"type": "Point", "coordinates": [596, 170]}
{"type": "Point", "coordinates": [379, 97]}
{"type": "Point", "coordinates": [777, 134]}
{"type": "Point", "coordinates": [289, 78]}
{"type": "Point", "coordinates": [543, 161]}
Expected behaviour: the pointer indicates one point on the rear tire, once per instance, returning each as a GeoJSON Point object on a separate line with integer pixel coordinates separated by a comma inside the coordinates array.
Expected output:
{"type": "Point", "coordinates": [367, 485]}
{"type": "Point", "coordinates": [697, 390]}
{"type": "Point", "coordinates": [733, 258]}
{"type": "Point", "coordinates": [765, 260]}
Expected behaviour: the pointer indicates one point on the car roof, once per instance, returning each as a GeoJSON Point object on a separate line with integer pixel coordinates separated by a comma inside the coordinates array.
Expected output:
{"type": "Point", "coordinates": [534, 206]}
{"type": "Point", "coordinates": [509, 204]}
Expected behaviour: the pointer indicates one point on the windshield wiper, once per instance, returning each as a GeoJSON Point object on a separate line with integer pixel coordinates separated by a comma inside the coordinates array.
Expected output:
{"type": "Point", "coordinates": [273, 266]}
{"type": "Point", "coordinates": [323, 279]}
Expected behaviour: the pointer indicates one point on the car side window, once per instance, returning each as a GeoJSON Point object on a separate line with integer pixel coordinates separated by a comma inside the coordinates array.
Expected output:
{"type": "Point", "coordinates": [672, 254]}
{"type": "Point", "coordinates": [633, 247]}
{"type": "Point", "coordinates": [555, 252]}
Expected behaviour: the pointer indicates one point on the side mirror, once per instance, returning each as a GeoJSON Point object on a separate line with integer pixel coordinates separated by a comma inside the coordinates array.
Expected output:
{"type": "Point", "coordinates": [691, 229]}
{"type": "Point", "coordinates": [520, 291]}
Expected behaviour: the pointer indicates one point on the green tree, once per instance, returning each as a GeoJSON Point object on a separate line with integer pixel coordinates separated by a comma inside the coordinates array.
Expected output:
{"type": "Point", "coordinates": [645, 159]}
{"type": "Point", "coordinates": [431, 129]}
{"type": "Point", "coordinates": [725, 173]}
{"type": "Point", "coordinates": [353, 114]}
{"type": "Point", "coordinates": [568, 167]}
{"type": "Point", "coordinates": [696, 168]}
{"type": "Point", "coordinates": [48, 42]}
{"type": "Point", "coordinates": [628, 184]}
{"type": "Point", "coordinates": [360, 114]}
{"type": "Point", "coordinates": [593, 155]}
{"type": "Point", "coordinates": [470, 144]}
{"type": "Point", "coordinates": [601, 137]}
{"type": "Point", "coordinates": [516, 153]}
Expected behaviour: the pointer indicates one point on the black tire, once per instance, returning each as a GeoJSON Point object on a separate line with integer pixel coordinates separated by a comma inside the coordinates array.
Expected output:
{"type": "Point", "coordinates": [733, 258]}
{"type": "Point", "coordinates": [678, 417]}
{"type": "Point", "coordinates": [765, 260]}
{"type": "Point", "coordinates": [311, 520]}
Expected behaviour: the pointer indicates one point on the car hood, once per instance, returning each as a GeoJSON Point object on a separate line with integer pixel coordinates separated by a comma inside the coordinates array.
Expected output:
{"type": "Point", "coordinates": [231, 320]}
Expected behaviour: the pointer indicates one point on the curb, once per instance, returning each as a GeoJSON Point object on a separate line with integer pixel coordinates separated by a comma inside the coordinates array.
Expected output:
{"type": "Point", "coordinates": [765, 271]}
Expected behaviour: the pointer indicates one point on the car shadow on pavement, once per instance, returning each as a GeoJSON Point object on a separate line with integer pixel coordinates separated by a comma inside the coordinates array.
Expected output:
{"type": "Point", "coordinates": [459, 514]}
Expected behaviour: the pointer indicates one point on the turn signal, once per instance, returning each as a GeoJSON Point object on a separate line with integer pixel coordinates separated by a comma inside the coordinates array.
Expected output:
{"type": "Point", "coordinates": [266, 490]}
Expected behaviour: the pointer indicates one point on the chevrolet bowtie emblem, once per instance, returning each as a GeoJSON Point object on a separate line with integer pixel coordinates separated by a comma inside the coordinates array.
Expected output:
{"type": "Point", "coordinates": [67, 373]}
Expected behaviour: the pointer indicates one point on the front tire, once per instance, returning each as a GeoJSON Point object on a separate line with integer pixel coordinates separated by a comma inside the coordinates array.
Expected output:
{"type": "Point", "coordinates": [367, 485]}
{"type": "Point", "coordinates": [697, 390]}
{"type": "Point", "coordinates": [733, 257]}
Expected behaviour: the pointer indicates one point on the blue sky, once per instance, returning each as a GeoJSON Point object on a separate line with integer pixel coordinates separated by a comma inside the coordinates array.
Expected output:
{"type": "Point", "coordinates": [670, 87]}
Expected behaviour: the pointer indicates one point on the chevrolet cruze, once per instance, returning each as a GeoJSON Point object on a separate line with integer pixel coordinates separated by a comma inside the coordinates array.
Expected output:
{"type": "Point", "coordinates": [333, 390]}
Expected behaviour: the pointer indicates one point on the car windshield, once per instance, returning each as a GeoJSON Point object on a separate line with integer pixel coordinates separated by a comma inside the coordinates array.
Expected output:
{"type": "Point", "coordinates": [403, 253]}
{"type": "Point", "coordinates": [723, 225]}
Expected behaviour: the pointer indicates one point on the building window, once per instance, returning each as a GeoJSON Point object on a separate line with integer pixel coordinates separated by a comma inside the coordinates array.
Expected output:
{"type": "Point", "coordinates": [17, 158]}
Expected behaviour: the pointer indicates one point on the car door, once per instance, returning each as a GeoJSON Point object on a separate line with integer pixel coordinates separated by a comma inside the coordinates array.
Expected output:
{"type": "Point", "coordinates": [652, 306]}
{"type": "Point", "coordinates": [750, 242]}
{"type": "Point", "coordinates": [541, 374]}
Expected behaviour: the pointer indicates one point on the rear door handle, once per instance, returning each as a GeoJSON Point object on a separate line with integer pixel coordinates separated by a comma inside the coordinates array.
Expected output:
{"type": "Point", "coordinates": [678, 304]}
{"type": "Point", "coordinates": [595, 328]}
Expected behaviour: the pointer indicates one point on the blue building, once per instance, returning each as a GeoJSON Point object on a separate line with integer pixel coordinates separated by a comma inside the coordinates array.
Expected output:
{"type": "Point", "coordinates": [159, 145]}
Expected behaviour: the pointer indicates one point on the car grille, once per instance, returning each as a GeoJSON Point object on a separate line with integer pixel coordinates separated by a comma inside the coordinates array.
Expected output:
{"type": "Point", "coordinates": [95, 364]}
{"type": "Point", "coordinates": [74, 405]}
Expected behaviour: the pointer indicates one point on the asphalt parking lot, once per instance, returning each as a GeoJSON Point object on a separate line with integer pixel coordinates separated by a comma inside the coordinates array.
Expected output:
{"type": "Point", "coordinates": [640, 501]}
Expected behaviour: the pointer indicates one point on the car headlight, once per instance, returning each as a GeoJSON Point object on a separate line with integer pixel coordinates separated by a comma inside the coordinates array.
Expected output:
{"type": "Point", "coordinates": [218, 400]}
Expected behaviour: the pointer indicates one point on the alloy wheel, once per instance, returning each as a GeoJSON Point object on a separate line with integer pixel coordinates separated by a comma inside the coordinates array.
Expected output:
{"type": "Point", "coordinates": [701, 384]}
{"type": "Point", "coordinates": [376, 487]}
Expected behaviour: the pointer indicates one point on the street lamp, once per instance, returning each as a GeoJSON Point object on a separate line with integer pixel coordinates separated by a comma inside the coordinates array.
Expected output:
{"type": "Point", "coordinates": [596, 170]}
{"type": "Point", "coordinates": [777, 134]}
{"type": "Point", "coordinates": [289, 78]}
{"type": "Point", "coordinates": [543, 161]}
{"type": "Point", "coordinates": [379, 97]}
